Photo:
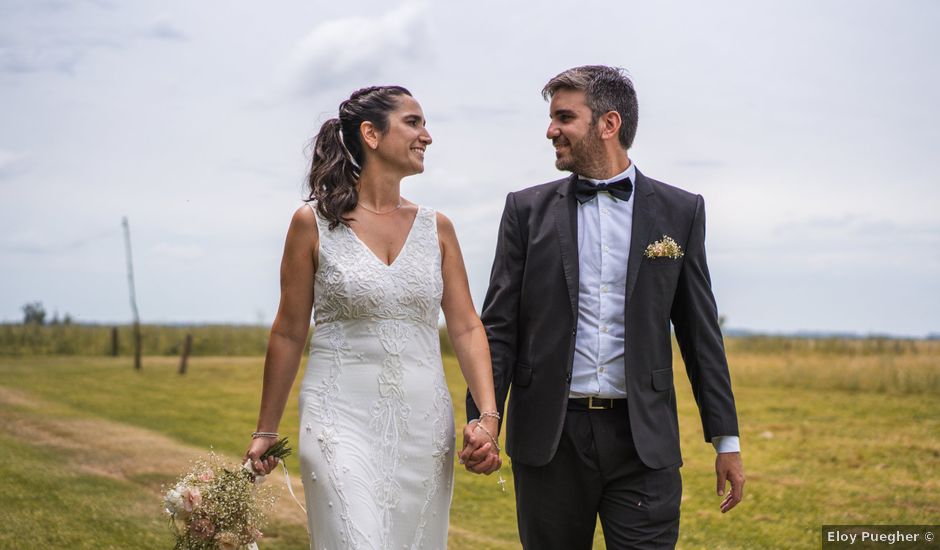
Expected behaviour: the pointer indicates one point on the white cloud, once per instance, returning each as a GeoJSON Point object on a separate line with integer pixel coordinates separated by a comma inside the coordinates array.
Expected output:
{"type": "Point", "coordinates": [24, 59]}
{"type": "Point", "coordinates": [45, 39]}
{"type": "Point", "coordinates": [356, 49]}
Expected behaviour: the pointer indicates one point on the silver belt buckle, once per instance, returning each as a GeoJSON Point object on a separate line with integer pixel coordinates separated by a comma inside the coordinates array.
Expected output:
{"type": "Point", "coordinates": [598, 408]}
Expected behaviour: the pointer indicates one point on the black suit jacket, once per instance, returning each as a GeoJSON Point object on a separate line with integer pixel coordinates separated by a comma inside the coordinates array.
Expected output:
{"type": "Point", "coordinates": [530, 315]}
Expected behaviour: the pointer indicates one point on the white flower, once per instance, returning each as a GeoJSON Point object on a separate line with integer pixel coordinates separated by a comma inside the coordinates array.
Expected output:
{"type": "Point", "coordinates": [172, 501]}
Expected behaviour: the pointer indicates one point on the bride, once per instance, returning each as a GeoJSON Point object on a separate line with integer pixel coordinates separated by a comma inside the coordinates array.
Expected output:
{"type": "Point", "coordinates": [376, 421]}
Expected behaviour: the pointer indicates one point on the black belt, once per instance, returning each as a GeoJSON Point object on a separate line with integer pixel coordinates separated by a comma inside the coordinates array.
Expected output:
{"type": "Point", "coordinates": [595, 403]}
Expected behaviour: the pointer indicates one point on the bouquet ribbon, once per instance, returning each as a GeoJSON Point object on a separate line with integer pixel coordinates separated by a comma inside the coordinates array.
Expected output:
{"type": "Point", "coordinates": [260, 478]}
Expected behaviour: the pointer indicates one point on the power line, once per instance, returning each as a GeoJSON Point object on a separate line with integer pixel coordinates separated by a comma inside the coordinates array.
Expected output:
{"type": "Point", "coordinates": [62, 247]}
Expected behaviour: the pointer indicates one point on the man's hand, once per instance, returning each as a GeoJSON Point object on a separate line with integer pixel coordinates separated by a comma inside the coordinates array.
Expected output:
{"type": "Point", "coordinates": [478, 454]}
{"type": "Point", "coordinates": [728, 467]}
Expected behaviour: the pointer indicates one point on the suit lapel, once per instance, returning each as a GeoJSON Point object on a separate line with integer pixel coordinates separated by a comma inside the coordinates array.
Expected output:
{"type": "Point", "coordinates": [644, 214]}
{"type": "Point", "coordinates": [565, 212]}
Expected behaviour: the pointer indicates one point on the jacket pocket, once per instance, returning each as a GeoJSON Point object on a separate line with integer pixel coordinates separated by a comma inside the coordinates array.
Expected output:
{"type": "Point", "coordinates": [522, 376]}
{"type": "Point", "coordinates": [662, 379]}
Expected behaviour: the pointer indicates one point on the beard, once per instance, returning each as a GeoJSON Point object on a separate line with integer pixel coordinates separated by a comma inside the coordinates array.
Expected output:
{"type": "Point", "coordinates": [584, 156]}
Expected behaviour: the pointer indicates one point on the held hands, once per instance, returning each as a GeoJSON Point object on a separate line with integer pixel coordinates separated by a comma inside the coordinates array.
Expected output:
{"type": "Point", "coordinates": [728, 467]}
{"type": "Point", "coordinates": [480, 454]}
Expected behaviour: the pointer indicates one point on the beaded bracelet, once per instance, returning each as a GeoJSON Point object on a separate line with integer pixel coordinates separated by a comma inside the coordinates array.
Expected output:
{"type": "Point", "coordinates": [490, 414]}
{"type": "Point", "coordinates": [272, 435]}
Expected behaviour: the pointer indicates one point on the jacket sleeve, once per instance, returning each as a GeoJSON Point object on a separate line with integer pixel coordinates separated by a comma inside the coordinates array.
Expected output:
{"type": "Point", "coordinates": [501, 306]}
{"type": "Point", "coordinates": [695, 317]}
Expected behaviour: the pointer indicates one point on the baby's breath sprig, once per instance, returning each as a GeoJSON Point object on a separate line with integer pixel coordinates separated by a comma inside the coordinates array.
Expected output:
{"type": "Point", "coordinates": [666, 247]}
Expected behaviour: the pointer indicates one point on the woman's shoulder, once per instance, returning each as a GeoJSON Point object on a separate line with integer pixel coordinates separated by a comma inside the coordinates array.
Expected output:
{"type": "Point", "coordinates": [306, 213]}
{"type": "Point", "coordinates": [304, 220]}
{"type": "Point", "coordinates": [445, 227]}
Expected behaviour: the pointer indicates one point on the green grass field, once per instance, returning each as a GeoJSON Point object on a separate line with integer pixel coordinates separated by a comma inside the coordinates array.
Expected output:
{"type": "Point", "coordinates": [831, 433]}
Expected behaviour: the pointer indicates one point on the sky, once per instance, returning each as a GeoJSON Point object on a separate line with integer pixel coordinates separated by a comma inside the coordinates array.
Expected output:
{"type": "Point", "coordinates": [810, 127]}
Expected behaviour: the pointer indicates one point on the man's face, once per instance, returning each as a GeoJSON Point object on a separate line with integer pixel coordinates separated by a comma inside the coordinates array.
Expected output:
{"type": "Point", "coordinates": [578, 147]}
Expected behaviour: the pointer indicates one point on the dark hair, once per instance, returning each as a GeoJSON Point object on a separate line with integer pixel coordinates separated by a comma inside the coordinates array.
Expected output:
{"type": "Point", "coordinates": [338, 152]}
{"type": "Point", "coordinates": [605, 89]}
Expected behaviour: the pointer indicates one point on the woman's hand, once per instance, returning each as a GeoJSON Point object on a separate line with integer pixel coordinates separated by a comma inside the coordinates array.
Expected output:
{"type": "Point", "coordinates": [257, 448]}
{"type": "Point", "coordinates": [480, 453]}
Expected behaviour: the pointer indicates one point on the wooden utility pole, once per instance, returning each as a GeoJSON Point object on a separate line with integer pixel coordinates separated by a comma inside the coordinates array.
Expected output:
{"type": "Point", "coordinates": [114, 341]}
{"type": "Point", "coordinates": [184, 357]}
{"type": "Point", "coordinates": [130, 285]}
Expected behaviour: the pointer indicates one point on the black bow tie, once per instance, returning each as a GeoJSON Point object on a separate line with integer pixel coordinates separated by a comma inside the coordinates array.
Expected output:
{"type": "Point", "coordinates": [585, 190]}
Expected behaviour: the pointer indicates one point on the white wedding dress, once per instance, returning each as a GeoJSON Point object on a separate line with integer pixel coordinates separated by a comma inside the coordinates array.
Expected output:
{"type": "Point", "coordinates": [376, 421]}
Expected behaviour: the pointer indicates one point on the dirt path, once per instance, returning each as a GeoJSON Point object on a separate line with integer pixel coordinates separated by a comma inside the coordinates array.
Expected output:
{"type": "Point", "coordinates": [119, 451]}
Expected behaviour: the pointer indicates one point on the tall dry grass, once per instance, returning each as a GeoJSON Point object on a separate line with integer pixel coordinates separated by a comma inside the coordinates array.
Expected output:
{"type": "Point", "coordinates": [878, 365]}
{"type": "Point", "coordinates": [17, 340]}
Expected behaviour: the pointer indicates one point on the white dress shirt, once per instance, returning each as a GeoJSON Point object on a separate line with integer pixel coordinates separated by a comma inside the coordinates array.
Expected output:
{"type": "Point", "coordinates": [604, 227]}
{"type": "Point", "coordinates": [604, 235]}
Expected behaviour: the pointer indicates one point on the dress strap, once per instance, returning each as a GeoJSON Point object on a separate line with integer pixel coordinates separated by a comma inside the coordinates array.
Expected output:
{"type": "Point", "coordinates": [313, 207]}
{"type": "Point", "coordinates": [428, 214]}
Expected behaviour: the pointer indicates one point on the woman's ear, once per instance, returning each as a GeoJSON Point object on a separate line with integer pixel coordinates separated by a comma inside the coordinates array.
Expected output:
{"type": "Point", "coordinates": [370, 136]}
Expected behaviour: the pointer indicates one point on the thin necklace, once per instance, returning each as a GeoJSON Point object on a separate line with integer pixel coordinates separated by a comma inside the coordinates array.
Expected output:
{"type": "Point", "coordinates": [366, 208]}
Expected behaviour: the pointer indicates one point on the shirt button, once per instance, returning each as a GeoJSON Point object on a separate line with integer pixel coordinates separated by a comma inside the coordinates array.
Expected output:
{"type": "Point", "coordinates": [603, 288]}
{"type": "Point", "coordinates": [601, 370]}
{"type": "Point", "coordinates": [606, 248]}
{"type": "Point", "coordinates": [604, 329]}
{"type": "Point", "coordinates": [568, 378]}
{"type": "Point", "coordinates": [604, 211]}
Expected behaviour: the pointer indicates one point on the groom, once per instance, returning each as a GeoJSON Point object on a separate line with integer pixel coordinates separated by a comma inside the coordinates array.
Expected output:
{"type": "Point", "coordinates": [590, 271]}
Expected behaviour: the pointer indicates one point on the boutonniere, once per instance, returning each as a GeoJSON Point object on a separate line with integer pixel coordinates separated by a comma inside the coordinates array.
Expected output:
{"type": "Point", "coordinates": [664, 248]}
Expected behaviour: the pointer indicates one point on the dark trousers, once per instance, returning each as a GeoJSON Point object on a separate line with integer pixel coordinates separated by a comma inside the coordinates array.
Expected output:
{"type": "Point", "coordinates": [596, 470]}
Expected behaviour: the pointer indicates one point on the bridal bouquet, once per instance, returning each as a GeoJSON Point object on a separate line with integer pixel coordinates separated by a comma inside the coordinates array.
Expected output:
{"type": "Point", "coordinates": [217, 506]}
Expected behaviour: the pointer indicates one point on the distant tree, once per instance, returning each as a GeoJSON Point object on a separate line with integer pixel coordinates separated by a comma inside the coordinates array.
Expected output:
{"type": "Point", "coordinates": [55, 318]}
{"type": "Point", "coordinates": [67, 320]}
{"type": "Point", "coordinates": [34, 314]}
{"type": "Point", "coordinates": [722, 319]}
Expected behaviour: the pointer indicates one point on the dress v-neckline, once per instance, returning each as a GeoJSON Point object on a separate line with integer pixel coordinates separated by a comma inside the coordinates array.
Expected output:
{"type": "Point", "coordinates": [401, 251]}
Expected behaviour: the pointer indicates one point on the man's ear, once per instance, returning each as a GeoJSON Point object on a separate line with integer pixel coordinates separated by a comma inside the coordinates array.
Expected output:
{"type": "Point", "coordinates": [610, 123]}
{"type": "Point", "coordinates": [370, 135]}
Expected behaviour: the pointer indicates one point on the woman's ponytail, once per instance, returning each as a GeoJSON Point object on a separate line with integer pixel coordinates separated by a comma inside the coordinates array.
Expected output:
{"type": "Point", "coordinates": [333, 175]}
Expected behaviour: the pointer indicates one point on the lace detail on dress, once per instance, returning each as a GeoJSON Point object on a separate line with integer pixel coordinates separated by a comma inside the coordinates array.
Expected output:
{"type": "Point", "coordinates": [389, 419]}
{"type": "Point", "coordinates": [326, 413]}
{"type": "Point", "coordinates": [328, 388]}
{"type": "Point", "coordinates": [375, 290]}
{"type": "Point", "coordinates": [442, 438]}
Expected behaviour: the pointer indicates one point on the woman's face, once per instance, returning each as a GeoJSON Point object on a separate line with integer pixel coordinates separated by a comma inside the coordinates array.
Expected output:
{"type": "Point", "coordinates": [401, 148]}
